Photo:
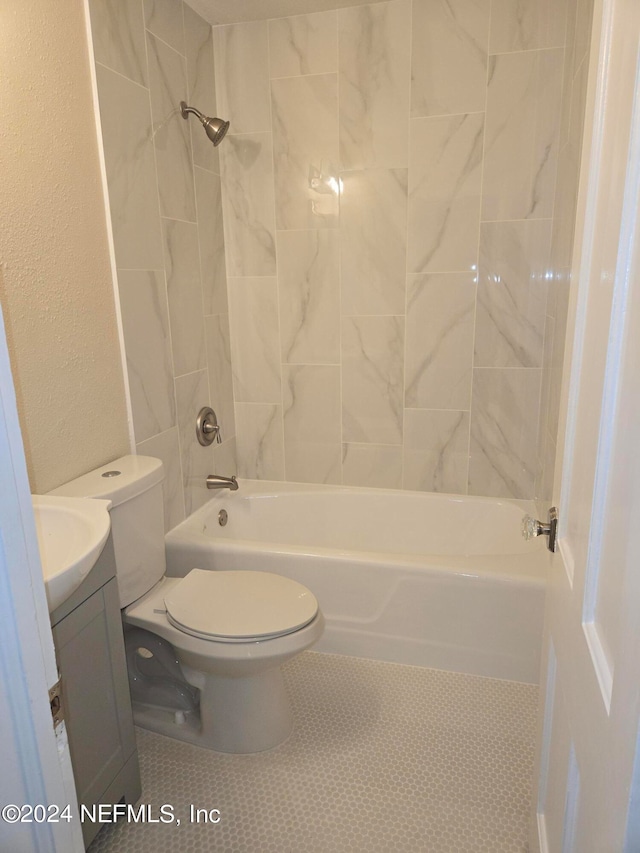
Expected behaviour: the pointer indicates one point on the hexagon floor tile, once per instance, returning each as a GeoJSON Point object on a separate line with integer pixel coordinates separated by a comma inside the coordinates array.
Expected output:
{"type": "Point", "coordinates": [383, 757]}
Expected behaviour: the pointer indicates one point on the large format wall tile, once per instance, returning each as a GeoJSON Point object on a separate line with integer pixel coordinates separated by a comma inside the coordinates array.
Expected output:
{"type": "Point", "coordinates": [304, 44]}
{"type": "Point", "coordinates": [373, 238]}
{"type": "Point", "coordinates": [504, 425]}
{"type": "Point", "coordinates": [305, 148]}
{"type": "Point", "coordinates": [372, 371]}
{"type": "Point", "coordinates": [449, 56]}
{"type": "Point", "coordinates": [247, 168]}
{"type": "Point", "coordinates": [444, 193]}
{"type": "Point", "coordinates": [512, 293]}
{"type": "Point", "coordinates": [412, 194]}
{"type": "Point", "coordinates": [312, 425]}
{"type": "Point", "coordinates": [220, 372]}
{"type": "Point", "coordinates": [192, 393]}
{"type": "Point", "coordinates": [226, 458]}
{"type": "Point", "coordinates": [582, 35]}
{"type": "Point", "coordinates": [131, 172]}
{"type": "Point", "coordinates": [184, 293]}
{"type": "Point", "coordinates": [166, 447]}
{"type": "Point", "coordinates": [579, 16]}
{"type": "Point", "coordinates": [168, 86]}
{"type": "Point", "coordinates": [213, 269]}
{"type": "Point", "coordinates": [309, 296]}
{"type": "Point", "coordinates": [374, 61]}
{"type": "Point", "coordinates": [164, 19]}
{"type": "Point", "coordinates": [544, 484]}
{"type": "Point", "coordinates": [526, 24]}
{"type": "Point", "coordinates": [145, 322]}
{"type": "Point", "coordinates": [242, 76]}
{"type": "Point", "coordinates": [564, 210]}
{"type": "Point", "coordinates": [255, 349]}
{"type": "Point", "coordinates": [555, 382]}
{"type": "Point", "coordinates": [521, 145]}
{"type": "Point", "coordinates": [439, 354]}
{"type": "Point", "coordinates": [259, 441]}
{"type": "Point", "coordinates": [568, 74]}
{"type": "Point", "coordinates": [545, 401]}
{"type": "Point", "coordinates": [312, 462]}
{"type": "Point", "coordinates": [171, 271]}
{"type": "Point", "coordinates": [436, 451]}
{"type": "Point", "coordinates": [566, 190]}
{"type": "Point", "coordinates": [312, 337]}
{"type": "Point", "coordinates": [117, 27]}
{"type": "Point", "coordinates": [201, 81]}
{"type": "Point", "coordinates": [378, 466]}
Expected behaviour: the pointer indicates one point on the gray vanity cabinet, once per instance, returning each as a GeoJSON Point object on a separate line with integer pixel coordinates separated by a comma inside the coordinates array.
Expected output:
{"type": "Point", "coordinates": [87, 633]}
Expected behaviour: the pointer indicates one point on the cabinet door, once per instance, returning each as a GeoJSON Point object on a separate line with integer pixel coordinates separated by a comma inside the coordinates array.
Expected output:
{"type": "Point", "coordinates": [90, 651]}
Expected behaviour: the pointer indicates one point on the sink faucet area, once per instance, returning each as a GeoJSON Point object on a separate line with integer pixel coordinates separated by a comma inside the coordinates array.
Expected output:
{"type": "Point", "coordinates": [71, 535]}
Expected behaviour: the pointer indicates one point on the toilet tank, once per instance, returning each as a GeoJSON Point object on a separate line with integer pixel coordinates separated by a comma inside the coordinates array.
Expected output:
{"type": "Point", "coordinates": [133, 484]}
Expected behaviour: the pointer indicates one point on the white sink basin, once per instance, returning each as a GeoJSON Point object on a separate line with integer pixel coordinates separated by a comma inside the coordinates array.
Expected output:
{"type": "Point", "coordinates": [71, 535]}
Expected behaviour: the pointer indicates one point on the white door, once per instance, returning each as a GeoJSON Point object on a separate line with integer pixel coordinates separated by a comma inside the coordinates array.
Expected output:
{"type": "Point", "coordinates": [588, 774]}
{"type": "Point", "coordinates": [35, 765]}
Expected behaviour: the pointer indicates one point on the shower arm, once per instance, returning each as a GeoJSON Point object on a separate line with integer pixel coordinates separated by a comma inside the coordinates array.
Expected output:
{"type": "Point", "coordinates": [185, 110]}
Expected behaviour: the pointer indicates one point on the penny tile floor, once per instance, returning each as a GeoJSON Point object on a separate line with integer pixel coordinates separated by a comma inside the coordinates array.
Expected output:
{"type": "Point", "coordinates": [384, 758]}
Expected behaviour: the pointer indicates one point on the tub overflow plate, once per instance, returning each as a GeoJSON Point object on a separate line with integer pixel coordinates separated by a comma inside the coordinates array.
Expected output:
{"type": "Point", "coordinates": [223, 517]}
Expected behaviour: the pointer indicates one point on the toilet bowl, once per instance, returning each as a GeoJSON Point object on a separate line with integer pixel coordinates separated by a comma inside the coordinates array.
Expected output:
{"type": "Point", "coordinates": [207, 617]}
{"type": "Point", "coordinates": [204, 652]}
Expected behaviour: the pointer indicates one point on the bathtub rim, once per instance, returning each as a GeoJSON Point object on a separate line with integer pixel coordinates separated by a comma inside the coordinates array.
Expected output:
{"type": "Point", "coordinates": [528, 568]}
{"type": "Point", "coordinates": [271, 488]}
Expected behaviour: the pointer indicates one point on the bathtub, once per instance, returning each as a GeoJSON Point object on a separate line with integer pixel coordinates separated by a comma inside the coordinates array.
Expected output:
{"type": "Point", "coordinates": [430, 580]}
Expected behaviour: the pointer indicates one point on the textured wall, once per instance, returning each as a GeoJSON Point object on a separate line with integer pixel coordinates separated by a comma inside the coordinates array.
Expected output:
{"type": "Point", "coordinates": [388, 189]}
{"type": "Point", "coordinates": [55, 278]}
{"type": "Point", "coordinates": [164, 194]}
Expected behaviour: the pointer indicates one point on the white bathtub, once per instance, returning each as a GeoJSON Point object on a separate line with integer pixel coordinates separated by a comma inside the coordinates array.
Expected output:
{"type": "Point", "coordinates": [431, 580]}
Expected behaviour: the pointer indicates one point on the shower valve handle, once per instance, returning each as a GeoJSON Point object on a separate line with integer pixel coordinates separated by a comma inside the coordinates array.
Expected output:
{"type": "Point", "coordinates": [207, 427]}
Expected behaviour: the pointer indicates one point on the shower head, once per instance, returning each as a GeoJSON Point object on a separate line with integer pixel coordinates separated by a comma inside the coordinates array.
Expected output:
{"type": "Point", "coordinates": [215, 128]}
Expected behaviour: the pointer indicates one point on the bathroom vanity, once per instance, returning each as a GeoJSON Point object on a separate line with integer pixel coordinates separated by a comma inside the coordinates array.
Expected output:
{"type": "Point", "coordinates": [87, 632]}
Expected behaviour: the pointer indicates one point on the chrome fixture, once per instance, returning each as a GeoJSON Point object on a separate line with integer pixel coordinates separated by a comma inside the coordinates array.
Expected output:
{"type": "Point", "coordinates": [215, 481]}
{"type": "Point", "coordinates": [223, 517]}
{"type": "Point", "coordinates": [531, 528]}
{"type": "Point", "coordinates": [215, 128]}
{"type": "Point", "coordinates": [207, 427]}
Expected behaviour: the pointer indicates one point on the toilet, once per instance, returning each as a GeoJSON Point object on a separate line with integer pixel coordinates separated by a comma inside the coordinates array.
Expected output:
{"type": "Point", "coordinates": [204, 652]}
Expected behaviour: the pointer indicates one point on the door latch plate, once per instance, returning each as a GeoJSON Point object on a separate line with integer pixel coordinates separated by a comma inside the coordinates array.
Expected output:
{"type": "Point", "coordinates": [531, 528]}
{"type": "Point", "coordinates": [55, 701]}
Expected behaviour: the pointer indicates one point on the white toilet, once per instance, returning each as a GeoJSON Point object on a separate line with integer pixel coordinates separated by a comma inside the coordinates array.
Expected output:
{"type": "Point", "coordinates": [204, 651]}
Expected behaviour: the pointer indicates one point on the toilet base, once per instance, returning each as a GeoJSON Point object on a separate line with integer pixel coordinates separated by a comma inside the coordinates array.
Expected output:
{"type": "Point", "coordinates": [243, 702]}
{"type": "Point", "coordinates": [237, 715]}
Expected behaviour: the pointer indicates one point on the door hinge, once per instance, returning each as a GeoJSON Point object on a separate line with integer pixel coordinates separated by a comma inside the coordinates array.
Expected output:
{"type": "Point", "coordinates": [55, 701]}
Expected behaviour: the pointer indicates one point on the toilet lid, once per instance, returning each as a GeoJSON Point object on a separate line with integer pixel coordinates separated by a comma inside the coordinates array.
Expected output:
{"type": "Point", "coordinates": [239, 605]}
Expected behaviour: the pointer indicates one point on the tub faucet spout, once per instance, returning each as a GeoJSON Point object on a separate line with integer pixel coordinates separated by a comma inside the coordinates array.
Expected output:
{"type": "Point", "coordinates": [215, 481]}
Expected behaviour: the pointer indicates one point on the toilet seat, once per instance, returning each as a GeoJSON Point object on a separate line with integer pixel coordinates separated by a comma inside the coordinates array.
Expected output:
{"type": "Point", "coordinates": [239, 606]}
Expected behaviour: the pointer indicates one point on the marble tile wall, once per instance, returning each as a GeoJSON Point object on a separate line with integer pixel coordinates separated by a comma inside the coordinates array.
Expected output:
{"type": "Point", "coordinates": [166, 213]}
{"type": "Point", "coordinates": [576, 64]}
{"type": "Point", "coordinates": [388, 195]}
